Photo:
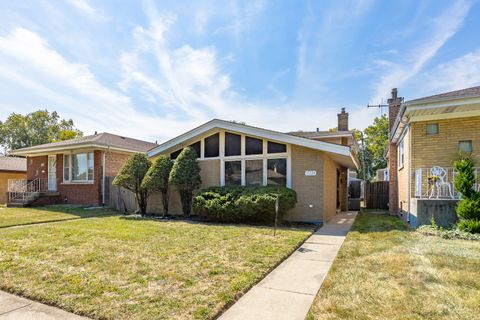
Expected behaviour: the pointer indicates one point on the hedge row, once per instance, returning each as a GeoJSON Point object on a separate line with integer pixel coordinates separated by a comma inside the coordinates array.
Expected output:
{"type": "Point", "coordinates": [243, 204]}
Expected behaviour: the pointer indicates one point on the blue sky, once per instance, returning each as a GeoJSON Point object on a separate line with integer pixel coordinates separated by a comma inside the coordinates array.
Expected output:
{"type": "Point", "coordinates": [154, 69]}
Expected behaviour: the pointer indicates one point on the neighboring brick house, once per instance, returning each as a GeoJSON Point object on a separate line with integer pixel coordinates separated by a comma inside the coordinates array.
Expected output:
{"type": "Point", "coordinates": [10, 168]}
{"type": "Point", "coordinates": [231, 153]}
{"type": "Point", "coordinates": [75, 171]}
{"type": "Point", "coordinates": [426, 136]}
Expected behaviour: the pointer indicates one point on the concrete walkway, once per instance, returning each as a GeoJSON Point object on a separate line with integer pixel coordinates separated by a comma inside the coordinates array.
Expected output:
{"type": "Point", "coordinates": [288, 291]}
{"type": "Point", "coordinates": [17, 308]}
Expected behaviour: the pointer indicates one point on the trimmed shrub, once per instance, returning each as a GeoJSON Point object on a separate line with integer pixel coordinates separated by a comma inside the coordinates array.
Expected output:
{"type": "Point", "coordinates": [469, 208]}
{"type": "Point", "coordinates": [472, 226]}
{"type": "Point", "coordinates": [243, 204]}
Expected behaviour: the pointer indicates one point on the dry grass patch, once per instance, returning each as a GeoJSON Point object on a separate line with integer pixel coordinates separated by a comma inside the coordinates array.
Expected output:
{"type": "Point", "coordinates": [118, 268]}
{"type": "Point", "coordinates": [385, 271]}
{"type": "Point", "coordinates": [23, 216]}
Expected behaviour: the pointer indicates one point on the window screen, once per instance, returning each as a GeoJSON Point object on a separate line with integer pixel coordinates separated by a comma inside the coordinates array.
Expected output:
{"type": "Point", "coordinates": [196, 146]}
{"type": "Point", "coordinates": [233, 173]}
{"type": "Point", "coordinates": [232, 144]}
{"type": "Point", "coordinates": [277, 172]}
{"type": "Point", "coordinates": [254, 172]}
{"type": "Point", "coordinates": [465, 146]}
{"type": "Point", "coordinates": [211, 146]}
{"type": "Point", "coordinates": [274, 147]}
{"type": "Point", "coordinates": [253, 146]}
{"type": "Point", "coordinates": [432, 128]}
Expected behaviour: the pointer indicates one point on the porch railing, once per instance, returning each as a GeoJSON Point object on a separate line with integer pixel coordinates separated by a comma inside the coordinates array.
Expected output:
{"type": "Point", "coordinates": [22, 190]}
{"type": "Point", "coordinates": [434, 183]}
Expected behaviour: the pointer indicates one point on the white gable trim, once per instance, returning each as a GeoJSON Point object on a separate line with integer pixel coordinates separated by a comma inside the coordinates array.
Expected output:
{"type": "Point", "coordinates": [249, 130]}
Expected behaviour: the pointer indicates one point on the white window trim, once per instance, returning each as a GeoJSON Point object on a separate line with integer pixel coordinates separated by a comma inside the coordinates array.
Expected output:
{"type": "Point", "coordinates": [401, 155]}
{"type": "Point", "coordinates": [70, 173]}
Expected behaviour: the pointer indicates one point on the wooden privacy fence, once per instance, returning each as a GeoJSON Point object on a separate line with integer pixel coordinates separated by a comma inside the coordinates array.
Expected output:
{"type": "Point", "coordinates": [119, 198]}
{"type": "Point", "coordinates": [376, 195]}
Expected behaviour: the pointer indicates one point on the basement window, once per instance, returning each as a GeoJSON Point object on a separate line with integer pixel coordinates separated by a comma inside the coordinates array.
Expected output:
{"type": "Point", "coordinates": [432, 128]}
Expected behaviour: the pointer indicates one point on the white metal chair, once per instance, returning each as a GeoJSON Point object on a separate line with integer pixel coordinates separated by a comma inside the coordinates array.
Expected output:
{"type": "Point", "coordinates": [443, 188]}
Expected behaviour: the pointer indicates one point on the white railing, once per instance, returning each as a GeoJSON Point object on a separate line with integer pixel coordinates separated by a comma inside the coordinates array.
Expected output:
{"type": "Point", "coordinates": [22, 190]}
{"type": "Point", "coordinates": [438, 183]}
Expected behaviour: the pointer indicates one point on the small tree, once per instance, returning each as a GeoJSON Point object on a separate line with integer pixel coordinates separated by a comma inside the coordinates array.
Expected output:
{"type": "Point", "coordinates": [185, 176]}
{"type": "Point", "coordinates": [131, 176]}
{"type": "Point", "coordinates": [157, 177]}
{"type": "Point", "coordinates": [469, 206]}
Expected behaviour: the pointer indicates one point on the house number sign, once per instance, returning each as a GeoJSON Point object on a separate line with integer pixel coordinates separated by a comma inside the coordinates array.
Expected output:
{"type": "Point", "coordinates": [310, 173]}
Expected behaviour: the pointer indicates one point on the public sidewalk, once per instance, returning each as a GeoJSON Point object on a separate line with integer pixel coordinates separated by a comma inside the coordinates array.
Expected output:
{"type": "Point", "coordinates": [18, 308]}
{"type": "Point", "coordinates": [288, 291]}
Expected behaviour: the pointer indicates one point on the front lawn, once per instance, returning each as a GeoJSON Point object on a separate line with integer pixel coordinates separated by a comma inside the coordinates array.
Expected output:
{"type": "Point", "coordinates": [21, 216]}
{"type": "Point", "coordinates": [385, 271]}
{"type": "Point", "coordinates": [120, 268]}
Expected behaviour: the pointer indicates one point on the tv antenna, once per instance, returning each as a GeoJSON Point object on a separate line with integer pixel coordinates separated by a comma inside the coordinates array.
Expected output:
{"type": "Point", "coordinates": [380, 106]}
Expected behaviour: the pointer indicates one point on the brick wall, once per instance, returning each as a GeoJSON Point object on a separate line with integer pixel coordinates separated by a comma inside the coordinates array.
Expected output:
{"type": "Point", "coordinates": [81, 193]}
{"type": "Point", "coordinates": [402, 176]}
{"type": "Point", "coordinates": [114, 161]}
{"type": "Point", "coordinates": [442, 149]}
{"type": "Point", "coordinates": [394, 104]}
{"type": "Point", "coordinates": [37, 167]}
{"type": "Point", "coordinates": [309, 189]}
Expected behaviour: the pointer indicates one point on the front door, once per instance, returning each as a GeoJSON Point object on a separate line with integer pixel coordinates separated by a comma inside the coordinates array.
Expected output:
{"type": "Point", "coordinates": [52, 173]}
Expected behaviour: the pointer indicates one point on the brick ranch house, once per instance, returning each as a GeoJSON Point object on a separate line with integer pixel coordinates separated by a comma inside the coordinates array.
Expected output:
{"type": "Point", "coordinates": [75, 171]}
{"type": "Point", "coordinates": [10, 168]}
{"type": "Point", "coordinates": [426, 136]}
{"type": "Point", "coordinates": [315, 164]}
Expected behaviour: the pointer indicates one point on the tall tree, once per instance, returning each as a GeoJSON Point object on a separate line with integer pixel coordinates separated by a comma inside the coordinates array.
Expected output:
{"type": "Point", "coordinates": [157, 177]}
{"type": "Point", "coordinates": [131, 177]}
{"type": "Point", "coordinates": [185, 176]}
{"type": "Point", "coordinates": [373, 147]}
{"type": "Point", "coordinates": [20, 131]}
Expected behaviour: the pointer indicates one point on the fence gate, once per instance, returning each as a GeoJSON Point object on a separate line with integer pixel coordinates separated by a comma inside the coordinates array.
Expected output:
{"type": "Point", "coordinates": [376, 195]}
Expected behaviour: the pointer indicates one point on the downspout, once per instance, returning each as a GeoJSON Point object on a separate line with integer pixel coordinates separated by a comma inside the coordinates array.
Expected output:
{"type": "Point", "coordinates": [103, 176]}
{"type": "Point", "coordinates": [410, 135]}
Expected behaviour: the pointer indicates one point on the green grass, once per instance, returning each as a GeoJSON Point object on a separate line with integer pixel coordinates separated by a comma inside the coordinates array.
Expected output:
{"type": "Point", "coordinates": [386, 271]}
{"type": "Point", "coordinates": [120, 268]}
{"type": "Point", "coordinates": [22, 216]}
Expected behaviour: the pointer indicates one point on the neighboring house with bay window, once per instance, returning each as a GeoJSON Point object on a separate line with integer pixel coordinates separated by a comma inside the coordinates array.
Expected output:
{"type": "Point", "coordinates": [73, 171]}
{"type": "Point", "coordinates": [426, 137]}
{"type": "Point", "coordinates": [235, 154]}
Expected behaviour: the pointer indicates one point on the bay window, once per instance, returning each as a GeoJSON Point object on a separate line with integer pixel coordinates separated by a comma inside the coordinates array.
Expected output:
{"type": "Point", "coordinates": [78, 167]}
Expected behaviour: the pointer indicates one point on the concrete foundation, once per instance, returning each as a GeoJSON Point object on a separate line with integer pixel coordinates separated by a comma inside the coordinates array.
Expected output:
{"type": "Point", "coordinates": [422, 211]}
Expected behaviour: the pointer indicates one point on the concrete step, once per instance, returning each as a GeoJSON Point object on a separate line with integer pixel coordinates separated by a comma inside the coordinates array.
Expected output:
{"type": "Point", "coordinates": [16, 205]}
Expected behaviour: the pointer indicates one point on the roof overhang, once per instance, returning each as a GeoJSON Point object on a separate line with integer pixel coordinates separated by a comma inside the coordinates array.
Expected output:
{"type": "Point", "coordinates": [49, 150]}
{"type": "Point", "coordinates": [342, 154]}
{"type": "Point", "coordinates": [434, 110]}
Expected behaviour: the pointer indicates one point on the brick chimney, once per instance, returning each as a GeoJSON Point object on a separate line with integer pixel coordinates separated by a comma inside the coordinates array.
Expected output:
{"type": "Point", "coordinates": [342, 120]}
{"type": "Point", "coordinates": [394, 104]}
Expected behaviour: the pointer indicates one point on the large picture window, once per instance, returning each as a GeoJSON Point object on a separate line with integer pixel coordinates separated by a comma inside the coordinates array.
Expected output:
{"type": "Point", "coordinates": [254, 172]}
{"type": "Point", "coordinates": [233, 144]}
{"type": "Point", "coordinates": [277, 172]}
{"type": "Point", "coordinates": [253, 146]}
{"type": "Point", "coordinates": [274, 147]}
{"type": "Point", "coordinates": [233, 173]}
{"type": "Point", "coordinates": [78, 167]}
{"type": "Point", "coordinates": [212, 146]}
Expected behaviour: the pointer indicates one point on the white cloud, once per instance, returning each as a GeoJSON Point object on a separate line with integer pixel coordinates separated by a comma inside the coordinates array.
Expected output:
{"type": "Point", "coordinates": [83, 5]}
{"type": "Point", "coordinates": [443, 28]}
{"type": "Point", "coordinates": [70, 88]}
{"type": "Point", "coordinates": [462, 72]}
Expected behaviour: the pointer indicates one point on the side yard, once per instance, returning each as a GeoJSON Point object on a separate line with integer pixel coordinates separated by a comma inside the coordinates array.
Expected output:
{"type": "Point", "coordinates": [121, 268]}
{"type": "Point", "coordinates": [23, 216]}
{"type": "Point", "coordinates": [385, 271]}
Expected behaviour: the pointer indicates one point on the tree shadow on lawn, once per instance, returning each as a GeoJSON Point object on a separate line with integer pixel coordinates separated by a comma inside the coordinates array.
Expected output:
{"type": "Point", "coordinates": [197, 221]}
